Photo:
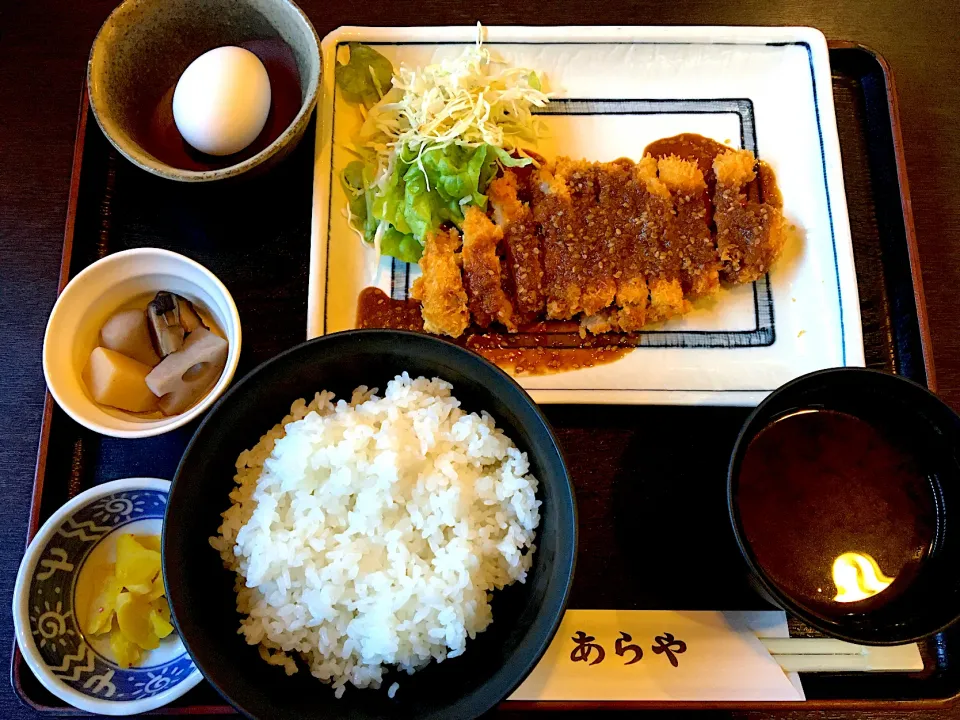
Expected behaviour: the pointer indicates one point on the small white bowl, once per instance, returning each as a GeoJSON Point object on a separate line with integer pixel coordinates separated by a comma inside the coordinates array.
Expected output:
{"type": "Point", "coordinates": [89, 299]}
{"type": "Point", "coordinates": [48, 598]}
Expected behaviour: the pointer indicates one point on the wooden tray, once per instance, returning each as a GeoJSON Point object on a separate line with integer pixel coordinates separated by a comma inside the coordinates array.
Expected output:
{"type": "Point", "coordinates": [649, 480]}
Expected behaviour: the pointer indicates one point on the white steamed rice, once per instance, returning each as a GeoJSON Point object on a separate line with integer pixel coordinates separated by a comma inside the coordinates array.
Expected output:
{"type": "Point", "coordinates": [371, 533]}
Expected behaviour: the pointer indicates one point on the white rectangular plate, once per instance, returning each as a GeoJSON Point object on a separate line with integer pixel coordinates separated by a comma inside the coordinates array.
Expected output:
{"type": "Point", "coordinates": [615, 89]}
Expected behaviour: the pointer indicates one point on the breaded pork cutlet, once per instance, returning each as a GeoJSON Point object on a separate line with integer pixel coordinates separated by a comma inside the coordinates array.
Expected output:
{"type": "Point", "coordinates": [523, 261]}
{"type": "Point", "coordinates": [621, 200]}
{"type": "Point", "coordinates": [616, 245]}
{"type": "Point", "coordinates": [440, 288]}
{"type": "Point", "coordinates": [550, 199]}
{"type": "Point", "coordinates": [578, 272]}
{"type": "Point", "coordinates": [700, 263]}
{"type": "Point", "coordinates": [750, 234]}
{"type": "Point", "coordinates": [620, 204]}
{"type": "Point", "coordinates": [481, 271]}
{"type": "Point", "coordinates": [658, 243]}
{"type": "Point", "coordinates": [605, 321]}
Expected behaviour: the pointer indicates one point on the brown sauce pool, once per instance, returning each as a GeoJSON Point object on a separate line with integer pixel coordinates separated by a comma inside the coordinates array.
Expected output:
{"type": "Point", "coordinates": [161, 138]}
{"type": "Point", "coordinates": [817, 484]}
{"type": "Point", "coordinates": [376, 309]}
{"type": "Point", "coordinates": [545, 361]}
{"type": "Point", "coordinates": [526, 353]}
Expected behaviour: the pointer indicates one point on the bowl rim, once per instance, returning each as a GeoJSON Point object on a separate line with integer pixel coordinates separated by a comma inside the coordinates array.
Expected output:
{"type": "Point", "coordinates": [161, 169]}
{"type": "Point", "coordinates": [20, 608]}
{"type": "Point", "coordinates": [574, 533]}
{"type": "Point", "coordinates": [756, 571]}
{"type": "Point", "coordinates": [153, 427]}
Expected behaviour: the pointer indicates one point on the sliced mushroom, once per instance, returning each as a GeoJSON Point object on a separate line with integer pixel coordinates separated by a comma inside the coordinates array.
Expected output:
{"type": "Point", "coordinates": [189, 317]}
{"type": "Point", "coordinates": [163, 319]}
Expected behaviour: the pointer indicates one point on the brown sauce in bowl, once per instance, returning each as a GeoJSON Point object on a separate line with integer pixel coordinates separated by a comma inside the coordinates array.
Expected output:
{"type": "Point", "coordinates": [816, 485]}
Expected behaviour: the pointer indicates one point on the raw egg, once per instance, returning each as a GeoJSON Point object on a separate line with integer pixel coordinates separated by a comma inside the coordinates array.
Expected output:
{"type": "Point", "coordinates": [222, 101]}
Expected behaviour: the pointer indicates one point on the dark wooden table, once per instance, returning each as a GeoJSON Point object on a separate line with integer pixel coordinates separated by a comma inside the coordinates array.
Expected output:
{"type": "Point", "coordinates": [43, 51]}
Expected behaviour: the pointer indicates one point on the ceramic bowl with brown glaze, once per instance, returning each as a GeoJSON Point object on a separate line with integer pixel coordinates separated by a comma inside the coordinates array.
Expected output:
{"type": "Point", "coordinates": [145, 45]}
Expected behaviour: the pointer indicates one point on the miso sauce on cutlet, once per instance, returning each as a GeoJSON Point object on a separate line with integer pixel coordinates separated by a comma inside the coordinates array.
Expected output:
{"type": "Point", "coordinates": [702, 150]}
{"type": "Point", "coordinates": [838, 513]}
{"type": "Point", "coordinates": [689, 146]}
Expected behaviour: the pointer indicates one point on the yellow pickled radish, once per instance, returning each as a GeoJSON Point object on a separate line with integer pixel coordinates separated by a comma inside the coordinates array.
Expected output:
{"type": "Point", "coordinates": [125, 652]}
{"type": "Point", "coordinates": [137, 566]}
{"type": "Point", "coordinates": [150, 542]}
{"type": "Point", "coordinates": [133, 617]}
{"type": "Point", "coordinates": [107, 588]}
{"type": "Point", "coordinates": [160, 626]}
{"type": "Point", "coordinates": [133, 590]}
{"type": "Point", "coordinates": [162, 607]}
{"type": "Point", "coordinates": [158, 590]}
{"type": "Point", "coordinates": [142, 590]}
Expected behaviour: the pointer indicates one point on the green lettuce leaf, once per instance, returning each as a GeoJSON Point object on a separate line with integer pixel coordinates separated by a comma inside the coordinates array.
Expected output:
{"type": "Point", "coordinates": [366, 77]}
{"type": "Point", "coordinates": [415, 200]}
{"type": "Point", "coordinates": [354, 188]}
{"type": "Point", "coordinates": [354, 179]}
{"type": "Point", "coordinates": [403, 247]}
{"type": "Point", "coordinates": [388, 201]}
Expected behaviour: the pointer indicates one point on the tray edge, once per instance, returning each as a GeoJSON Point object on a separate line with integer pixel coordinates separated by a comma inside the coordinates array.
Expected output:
{"type": "Point", "coordinates": [913, 252]}
{"type": "Point", "coordinates": [39, 473]}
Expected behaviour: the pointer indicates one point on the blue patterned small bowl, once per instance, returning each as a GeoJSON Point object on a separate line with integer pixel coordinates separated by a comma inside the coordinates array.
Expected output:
{"type": "Point", "coordinates": [51, 593]}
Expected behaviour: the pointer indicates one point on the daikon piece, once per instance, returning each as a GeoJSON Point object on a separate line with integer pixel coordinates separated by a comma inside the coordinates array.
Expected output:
{"type": "Point", "coordinates": [150, 542]}
{"type": "Point", "coordinates": [125, 652]}
{"type": "Point", "coordinates": [160, 627]}
{"type": "Point", "coordinates": [137, 566]}
{"type": "Point", "coordinates": [126, 332]}
{"type": "Point", "coordinates": [119, 381]}
{"type": "Point", "coordinates": [133, 617]}
{"type": "Point", "coordinates": [100, 614]}
{"type": "Point", "coordinates": [184, 376]}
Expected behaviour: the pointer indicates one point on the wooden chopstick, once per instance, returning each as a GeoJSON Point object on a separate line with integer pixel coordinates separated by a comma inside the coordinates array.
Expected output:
{"type": "Point", "coordinates": [811, 646]}
{"type": "Point", "coordinates": [826, 655]}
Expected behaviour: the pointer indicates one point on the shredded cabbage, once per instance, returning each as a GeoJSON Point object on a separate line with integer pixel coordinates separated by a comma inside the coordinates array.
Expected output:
{"type": "Point", "coordinates": [433, 141]}
{"type": "Point", "coordinates": [470, 100]}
